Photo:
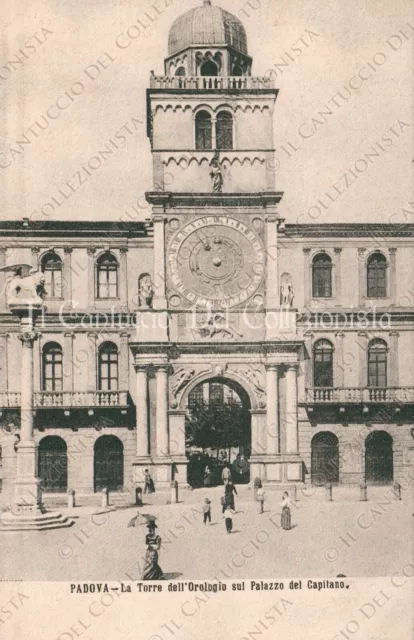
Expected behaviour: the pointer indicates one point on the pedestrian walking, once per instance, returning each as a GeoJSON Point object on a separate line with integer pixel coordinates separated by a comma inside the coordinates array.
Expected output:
{"type": "Point", "coordinates": [229, 491]}
{"type": "Point", "coordinates": [152, 570]}
{"type": "Point", "coordinates": [286, 515]}
{"type": "Point", "coordinates": [207, 511]}
{"type": "Point", "coordinates": [207, 477]}
{"type": "Point", "coordinates": [228, 519]}
{"type": "Point", "coordinates": [261, 498]}
{"type": "Point", "coordinates": [148, 482]}
{"type": "Point", "coordinates": [226, 474]}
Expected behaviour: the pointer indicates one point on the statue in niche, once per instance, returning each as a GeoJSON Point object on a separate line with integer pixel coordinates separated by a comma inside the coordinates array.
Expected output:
{"type": "Point", "coordinates": [216, 174]}
{"type": "Point", "coordinates": [145, 291]}
{"type": "Point", "coordinates": [286, 291]}
{"type": "Point", "coordinates": [26, 285]}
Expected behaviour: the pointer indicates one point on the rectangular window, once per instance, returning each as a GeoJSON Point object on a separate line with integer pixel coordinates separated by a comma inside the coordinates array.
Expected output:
{"type": "Point", "coordinates": [108, 371]}
{"type": "Point", "coordinates": [377, 369]}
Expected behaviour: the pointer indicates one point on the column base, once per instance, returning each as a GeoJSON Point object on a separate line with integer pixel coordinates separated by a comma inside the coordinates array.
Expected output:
{"type": "Point", "coordinates": [33, 520]}
{"type": "Point", "coordinates": [277, 469]}
{"type": "Point", "coordinates": [159, 468]}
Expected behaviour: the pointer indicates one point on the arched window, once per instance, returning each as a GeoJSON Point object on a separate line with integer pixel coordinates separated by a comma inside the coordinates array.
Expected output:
{"type": "Point", "coordinates": [52, 374]}
{"type": "Point", "coordinates": [377, 276]}
{"type": "Point", "coordinates": [322, 276]}
{"type": "Point", "coordinates": [208, 68]}
{"type": "Point", "coordinates": [108, 463]}
{"type": "Point", "coordinates": [203, 130]}
{"type": "Point", "coordinates": [51, 266]}
{"type": "Point", "coordinates": [107, 276]}
{"type": "Point", "coordinates": [224, 130]}
{"type": "Point", "coordinates": [377, 363]}
{"type": "Point", "coordinates": [237, 71]}
{"type": "Point", "coordinates": [180, 71]}
{"type": "Point", "coordinates": [108, 367]}
{"type": "Point", "coordinates": [323, 364]}
{"type": "Point", "coordinates": [324, 458]}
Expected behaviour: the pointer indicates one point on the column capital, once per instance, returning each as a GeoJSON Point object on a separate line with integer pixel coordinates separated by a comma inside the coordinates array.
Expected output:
{"type": "Point", "coordinates": [392, 250]}
{"type": "Point", "coordinates": [123, 250]}
{"type": "Point", "coordinates": [271, 367]}
{"type": "Point", "coordinates": [125, 334]}
{"type": "Point", "coordinates": [306, 250]}
{"type": "Point", "coordinates": [92, 336]}
{"type": "Point", "coordinates": [69, 334]}
{"type": "Point", "coordinates": [91, 251]}
{"type": "Point", "coordinates": [271, 218]}
{"type": "Point", "coordinates": [27, 338]}
{"type": "Point", "coordinates": [291, 367]}
{"type": "Point", "coordinates": [67, 250]}
{"type": "Point", "coordinates": [158, 217]}
{"type": "Point", "coordinates": [339, 334]}
{"type": "Point", "coordinates": [394, 334]}
{"type": "Point", "coordinates": [141, 368]}
{"type": "Point", "coordinates": [337, 250]}
{"type": "Point", "coordinates": [35, 249]}
{"type": "Point", "coordinates": [362, 251]}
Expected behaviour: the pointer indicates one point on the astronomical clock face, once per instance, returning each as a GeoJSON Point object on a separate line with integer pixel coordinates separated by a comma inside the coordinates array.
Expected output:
{"type": "Point", "coordinates": [216, 261]}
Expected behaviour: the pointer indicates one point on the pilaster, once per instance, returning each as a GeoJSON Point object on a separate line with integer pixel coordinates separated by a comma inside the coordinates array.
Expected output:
{"type": "Point", "coordinates": [91, 276]}
{"type": "Point", "coordinates": [67, 276]}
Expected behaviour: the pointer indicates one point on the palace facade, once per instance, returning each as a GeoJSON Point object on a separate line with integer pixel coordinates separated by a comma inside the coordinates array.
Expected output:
{"type": "Point", "coordinates": [311, 325]}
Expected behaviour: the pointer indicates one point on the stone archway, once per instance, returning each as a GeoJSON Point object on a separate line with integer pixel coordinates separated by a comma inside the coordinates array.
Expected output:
{"type": "Point", "coordinates": [218, 430]}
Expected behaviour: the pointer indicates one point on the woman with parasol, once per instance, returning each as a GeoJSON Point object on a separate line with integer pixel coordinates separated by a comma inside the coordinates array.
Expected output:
{"type": "Point", "coordinates": [152, 570]}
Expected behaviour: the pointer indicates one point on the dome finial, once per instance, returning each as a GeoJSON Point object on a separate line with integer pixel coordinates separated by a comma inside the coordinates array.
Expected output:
{"type": "Point", "coordinates": [207, 3]}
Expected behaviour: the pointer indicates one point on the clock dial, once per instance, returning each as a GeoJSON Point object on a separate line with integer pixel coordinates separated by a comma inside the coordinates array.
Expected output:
{"type": "Point", "coordinates": [216, 261]}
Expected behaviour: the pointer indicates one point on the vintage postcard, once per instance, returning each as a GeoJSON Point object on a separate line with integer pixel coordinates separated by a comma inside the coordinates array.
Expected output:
{"type": "Point", "coordinates": [206, 320]}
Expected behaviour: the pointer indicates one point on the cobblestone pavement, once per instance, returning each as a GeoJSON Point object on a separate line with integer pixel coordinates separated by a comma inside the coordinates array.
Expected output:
{"type": "Point", "coordinates": [327, 538]}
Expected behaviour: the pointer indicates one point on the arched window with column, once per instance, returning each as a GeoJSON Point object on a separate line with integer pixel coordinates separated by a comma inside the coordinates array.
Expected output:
{"type": "Point", "coordinates": [377, 363]}
{"type": "Point", "coordinates": [224, 130]}
{"type": "Point", "coordinates": [323, 364]}
{"type": "Point", "coordinates": [180, 72]}
{"type": "Point", "coordinates": [108, 367]}
{"type": "Point", "coordinates": [51, 266]}
{"type": "Point", "coordinates": [52, 367]}
{"type": "Point", "coordinates": [322, 276]}
{"type": "Point", "coordinates": [377, 276]}
{"type": "Point", "coordinates": [203, 130]}
{"type": "Point", "coordinates": [107, 276]}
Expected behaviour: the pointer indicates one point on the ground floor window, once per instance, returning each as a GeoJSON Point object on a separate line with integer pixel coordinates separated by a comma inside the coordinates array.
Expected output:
{"type": "Point", "coordinates": [379, 465]}
{"type": "Point", "coordinates": [108, 464]}
{"type": "Point", "coordinates": [325, 459]}
{"type": "Point", "coordinates": [53, 464]}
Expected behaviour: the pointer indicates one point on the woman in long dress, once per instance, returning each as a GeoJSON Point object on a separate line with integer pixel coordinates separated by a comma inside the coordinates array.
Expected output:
{"type": "Point", "coordinates": [152, 570]}
{"type": "Point", "coordinates": [286, 515]}
{"type": "Point", "coordinates": [207, 477]}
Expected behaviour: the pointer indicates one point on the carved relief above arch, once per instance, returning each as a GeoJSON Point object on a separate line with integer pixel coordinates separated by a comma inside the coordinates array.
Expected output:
{"type": "Point", "coordinates": [185, 162]}
{"type": "Point", "coordinates": [193, 375]}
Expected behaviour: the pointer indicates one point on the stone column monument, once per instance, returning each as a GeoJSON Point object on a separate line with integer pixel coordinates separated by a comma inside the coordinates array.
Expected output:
{"type": "Point", "coordinates": [26, 512]}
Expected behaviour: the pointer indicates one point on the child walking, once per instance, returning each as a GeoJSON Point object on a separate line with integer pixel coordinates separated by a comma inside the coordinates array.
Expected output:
{"type": "Point", "coordinates": [207, 511]}
{"type": "Point", "coordinates": [228, 518]}
{"type": "Point", "coordinates": [261, 498]}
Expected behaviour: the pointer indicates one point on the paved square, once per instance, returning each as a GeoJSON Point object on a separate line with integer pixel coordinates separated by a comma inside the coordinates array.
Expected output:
{"type": "Point", "coordinates": [328, 538]}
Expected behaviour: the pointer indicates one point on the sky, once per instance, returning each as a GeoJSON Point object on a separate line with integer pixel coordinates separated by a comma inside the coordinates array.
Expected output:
{"type": "Point", "coordinates": [313, 50]}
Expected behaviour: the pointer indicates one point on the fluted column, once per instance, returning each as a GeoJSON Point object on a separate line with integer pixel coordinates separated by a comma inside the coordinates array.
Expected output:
{"type": "Point", "coordinates": [92, 362]}
{"type": "Point", "coordinates": [338, 276]}
{"type": "Point", "coordinates": [272, 278]}
{"type": "Point", "coordinates": [141, 404]}
{"type": "Point", "coordinates": [162, 411]}
{"type": "Point", "coordinates": [160, 301]}
{"type": "Point", "coordinates": [124, 362]}
{"type": "Point", "coordinates": [67, 275]}
{"type": "Point", "coordinates": [68, 361]}
{"type": "Point", "coordinates": [393, 360]}
{"type": "Point", "coordinates": [91, 276]}
{"type": "Point", "coordinates": [362, 284]}
{"type": "Point", "coordinates": [393, 276]}
{"type": "Point", "coordinates": [339, 360]}
{"type": "Point", "coordinates": [3, 280]}
{"type": "Point", "coordinates": [292, 436]}
{"type": "Point", "coordinates": [27, 339]}
{"type": "Point", "coordinates": [123, 285]}
{"type": "Point", "coordinates": [307, 293]}
{"type": "Point", "coordinates": [272, 423]}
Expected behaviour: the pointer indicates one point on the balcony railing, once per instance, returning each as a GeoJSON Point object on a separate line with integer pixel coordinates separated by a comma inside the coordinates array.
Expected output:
{"type": "Point", "coordinates": [356, 395]}
{"type": "Point", "coordinates": [192, 83]}
{"type": "Point", "coordinates": [68, 399]}
{"type": "Point", "coordinates": [9, 399]}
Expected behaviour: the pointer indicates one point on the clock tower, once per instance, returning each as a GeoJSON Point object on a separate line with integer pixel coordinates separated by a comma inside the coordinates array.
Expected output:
{"type": "Point", "coordinates": [215, 306]}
